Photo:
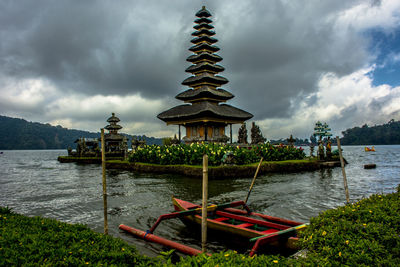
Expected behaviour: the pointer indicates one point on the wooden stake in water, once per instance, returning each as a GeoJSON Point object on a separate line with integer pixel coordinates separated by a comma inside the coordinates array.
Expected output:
{"type": "Point", "coordinates": [254, 179]}
{"type": "Point", "coordinates": [204, 205]}
{"type": "Point", "coordinates": [103, 165]}
{"type": "Point", "coordinates": [343, 171]}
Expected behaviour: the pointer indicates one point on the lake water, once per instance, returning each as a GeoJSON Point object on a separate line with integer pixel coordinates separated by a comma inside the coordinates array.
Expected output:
{"type": "Point", "coordinates": [35, 183]}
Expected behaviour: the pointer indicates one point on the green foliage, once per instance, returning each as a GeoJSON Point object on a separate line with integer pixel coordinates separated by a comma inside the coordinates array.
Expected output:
{"type": "Point", "coordinates": [193, 154]}
{"type": "Point", "coordinates": [231, 258]}
{"type": "Point", "coordinates": [364, 233]}
{"type": "Point", "coordinates": [166, 141]}
{"type": "Point", "coordinates": [30, 241]}
{"type": "Point", "coordinates": [385, 134]}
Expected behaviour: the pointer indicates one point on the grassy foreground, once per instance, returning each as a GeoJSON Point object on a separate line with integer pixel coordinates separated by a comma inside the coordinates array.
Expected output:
{"type": "Point", "coordinates": [366, 233]}
{"type": "Point", "coordinates": [39, 241]}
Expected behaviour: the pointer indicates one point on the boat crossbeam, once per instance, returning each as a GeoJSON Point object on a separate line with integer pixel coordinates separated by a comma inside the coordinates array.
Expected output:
{"type": "Point", "coordinates": [195, 211]}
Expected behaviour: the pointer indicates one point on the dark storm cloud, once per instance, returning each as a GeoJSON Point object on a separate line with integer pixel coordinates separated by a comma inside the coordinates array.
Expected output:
{"type": "Point", "coordinates": [127, 47]}
{"type": "Point", "coordinates": [95, 46]}
{"type": "Point", "coordinates": [274, 52]}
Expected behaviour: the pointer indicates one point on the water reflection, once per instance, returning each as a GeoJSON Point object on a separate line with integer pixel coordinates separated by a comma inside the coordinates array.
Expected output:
{"type": "Point", "coordinates": [325, 173]}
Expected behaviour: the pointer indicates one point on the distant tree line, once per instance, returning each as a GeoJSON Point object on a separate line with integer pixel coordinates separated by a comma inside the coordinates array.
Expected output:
{"type": "Point", "coordinates": [386, 134]}
{"type": "Point", "coordinates": [21, 134]}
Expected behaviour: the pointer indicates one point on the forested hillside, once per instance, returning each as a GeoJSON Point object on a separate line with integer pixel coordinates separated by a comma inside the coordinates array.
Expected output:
{"type": "Point", "coordinates": [386, 134]}
{"type": "Point", "coordinates": [21, 134]}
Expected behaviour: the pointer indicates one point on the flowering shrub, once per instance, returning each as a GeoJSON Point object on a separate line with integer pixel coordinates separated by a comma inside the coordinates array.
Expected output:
{"type": "Point", "coordinates": [193, 154]}
{"type": "Point", "coordinates": [365, 233]}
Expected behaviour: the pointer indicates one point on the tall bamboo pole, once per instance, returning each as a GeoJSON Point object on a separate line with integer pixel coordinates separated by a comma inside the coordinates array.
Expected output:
{"type": "Point", "coordinates": [103, 165]}
{"type": "Point", "coordinates": [346, 189]}
{"type": "Point", "coordinates": [254, 179]}
{"type": "Point", "coordinates": [204, 205]}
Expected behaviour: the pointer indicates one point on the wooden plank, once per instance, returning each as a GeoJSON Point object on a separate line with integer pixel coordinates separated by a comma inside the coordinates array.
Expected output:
{"type": "Point", "coordinates": [252, 220]}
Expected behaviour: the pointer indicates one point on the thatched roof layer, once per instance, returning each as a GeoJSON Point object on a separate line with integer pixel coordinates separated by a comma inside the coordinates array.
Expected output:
{"type": "Point", "coordinates": [113, 118]}
{"type": "Point", "coordinates": [204, 56]}
{"type": "Point", "coordinates": [205, 66]}
{"type": "Point", "coordinates": [204, 38]}
{"type": "Point", "coordinates": [204, 46]}
{"type": "Point", "coordinates": [204, 109]}
{"type": "Point", "coordinates": [205, 92]}
{"type": "Point", "coordinates": [203, 31]}
{"type": "Point", "coordinates": [203, 13]}
{"type": "Point", "coordinates": [205, 78]}
{"type": "Point", "coordinates": [203, 25]}
{"type": "Point", "coordinates": [203, 20]}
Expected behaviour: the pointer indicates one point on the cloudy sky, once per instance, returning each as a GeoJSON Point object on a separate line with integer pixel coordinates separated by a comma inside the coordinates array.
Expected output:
{"type": "Point", "coordinates": [290, 63]}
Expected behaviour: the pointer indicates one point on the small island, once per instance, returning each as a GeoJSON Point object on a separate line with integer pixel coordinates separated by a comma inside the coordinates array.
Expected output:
{"type": "Point", "coordinates": [205, 117]}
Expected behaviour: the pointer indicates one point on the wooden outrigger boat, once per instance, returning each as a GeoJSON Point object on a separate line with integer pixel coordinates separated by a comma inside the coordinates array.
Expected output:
{"type": "Point", "coordinates": [258, 228]}
{"type": "Point", "coordinates": [246, 224]}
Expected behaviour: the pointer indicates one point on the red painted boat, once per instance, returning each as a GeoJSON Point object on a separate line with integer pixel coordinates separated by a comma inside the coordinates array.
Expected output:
{"type": "Point", "coordinates": [254, 227]}
{"type": "Point", "coordinates": [259, 228]}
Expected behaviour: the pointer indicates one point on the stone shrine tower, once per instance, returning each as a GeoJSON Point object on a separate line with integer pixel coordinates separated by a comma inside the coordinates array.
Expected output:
{"type": "Point", "coordinates": [113, 141]}
{"type": "Point", "coordinates": [203, 117]}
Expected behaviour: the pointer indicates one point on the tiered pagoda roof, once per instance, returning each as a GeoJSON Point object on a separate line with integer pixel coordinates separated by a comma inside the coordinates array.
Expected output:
{"type": "Point", "coordinates": [204, 94]}
{"type": "Point", "coordinates": [113, 127]}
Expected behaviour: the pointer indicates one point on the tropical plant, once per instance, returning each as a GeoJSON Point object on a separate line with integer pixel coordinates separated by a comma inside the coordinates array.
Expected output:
{"type": "Point", "coordinates": [192, 154]}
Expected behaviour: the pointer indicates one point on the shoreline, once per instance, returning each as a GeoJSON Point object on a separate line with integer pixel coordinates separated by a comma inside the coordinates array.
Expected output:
{"type": "Point", "coordinates": [214, 172]}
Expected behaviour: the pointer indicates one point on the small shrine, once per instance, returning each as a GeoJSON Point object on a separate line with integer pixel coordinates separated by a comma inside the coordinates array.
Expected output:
{"type": "Point", "coordinates": [113, 141]}
{"type": "Point", "coordinates": [204, 116]}
{"type": "Point", "coordinates": [322, 130]}
{"type": "Point", "coordinates": [86, 147]}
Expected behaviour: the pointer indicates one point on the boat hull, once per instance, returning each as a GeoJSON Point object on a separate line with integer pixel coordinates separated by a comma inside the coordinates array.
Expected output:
{"type": "Point", "coordinates": [240, 226]}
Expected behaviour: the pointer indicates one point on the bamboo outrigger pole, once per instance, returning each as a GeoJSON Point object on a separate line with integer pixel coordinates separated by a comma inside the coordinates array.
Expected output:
{"type": "Point", "coordinates": [103, 165]}
{"type": "Point", "coordinates": [343, 171]}
{"type": "Point", "coordinates": [254, 179]}
{"type": "Point", "coordinates": [204, 205]}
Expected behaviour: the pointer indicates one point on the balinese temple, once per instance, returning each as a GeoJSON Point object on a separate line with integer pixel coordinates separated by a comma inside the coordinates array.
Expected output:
{"type": "Point", "coordinates": [204, 115]}
{"type": "Point", "coordinates": [113, 141]}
